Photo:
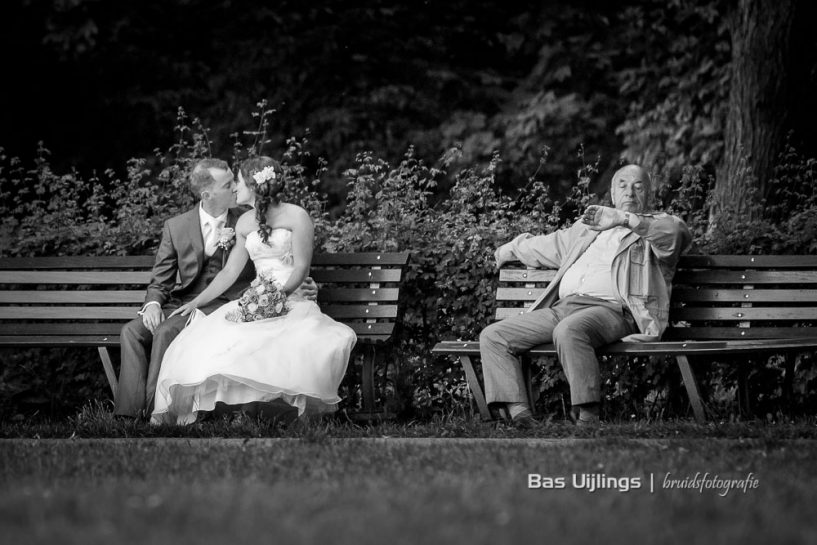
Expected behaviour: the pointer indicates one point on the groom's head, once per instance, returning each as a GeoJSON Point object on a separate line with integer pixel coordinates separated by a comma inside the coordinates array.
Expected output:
{"type": "Point", "coordinates": [212, 181]}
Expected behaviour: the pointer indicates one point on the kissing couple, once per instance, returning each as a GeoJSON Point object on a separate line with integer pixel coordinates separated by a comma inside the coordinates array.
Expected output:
{"type": "Point", "coordinates": [255, 333]}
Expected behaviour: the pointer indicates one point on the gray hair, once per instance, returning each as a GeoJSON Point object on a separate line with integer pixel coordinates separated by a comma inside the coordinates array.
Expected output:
{"type": "Point", "coordinates": [646, 177]}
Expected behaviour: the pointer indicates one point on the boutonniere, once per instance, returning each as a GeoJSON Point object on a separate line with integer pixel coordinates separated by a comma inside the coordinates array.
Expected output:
{"type": "Point", "coordinates": [226, 238]}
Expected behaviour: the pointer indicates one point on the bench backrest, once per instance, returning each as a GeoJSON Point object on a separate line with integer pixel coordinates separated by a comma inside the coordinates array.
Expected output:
{"type": "Point", "coordinates": [63, 296]}
{"type": "Point", "coordinates": [714, 297]}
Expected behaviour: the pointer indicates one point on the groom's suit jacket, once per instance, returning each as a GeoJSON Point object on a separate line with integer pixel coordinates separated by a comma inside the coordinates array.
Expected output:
{"type": "Point", "coordinates": [182, 270]}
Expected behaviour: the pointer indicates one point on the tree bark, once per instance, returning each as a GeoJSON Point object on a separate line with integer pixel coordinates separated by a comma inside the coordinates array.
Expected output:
{"type": "Point", "coordinates": [758, 110]}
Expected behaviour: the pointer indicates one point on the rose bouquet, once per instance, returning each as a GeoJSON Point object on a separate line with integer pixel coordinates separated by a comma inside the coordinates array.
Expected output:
{"type": "Point", "coordinates": [263, 299]}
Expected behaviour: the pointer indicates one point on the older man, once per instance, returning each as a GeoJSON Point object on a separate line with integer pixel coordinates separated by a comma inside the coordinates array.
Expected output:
{"type": "Point", "coordinates": [615, 268]}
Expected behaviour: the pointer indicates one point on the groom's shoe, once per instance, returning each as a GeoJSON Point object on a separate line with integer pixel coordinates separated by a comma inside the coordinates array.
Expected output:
{"type": "Point", "coordinates": [524, 421]}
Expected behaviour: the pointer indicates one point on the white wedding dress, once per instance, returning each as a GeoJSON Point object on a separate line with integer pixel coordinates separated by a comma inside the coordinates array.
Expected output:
{"type": "Point", "coordinates": [299, 357]}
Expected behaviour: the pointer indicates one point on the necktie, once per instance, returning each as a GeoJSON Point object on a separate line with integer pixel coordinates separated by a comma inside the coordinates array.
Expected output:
{"type": "Point", "coordinates": [211, 241]}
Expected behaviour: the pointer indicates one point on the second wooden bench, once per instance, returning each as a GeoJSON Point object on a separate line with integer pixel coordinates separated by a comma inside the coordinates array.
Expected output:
{"type": "Point", "coordinates": [721, 305]}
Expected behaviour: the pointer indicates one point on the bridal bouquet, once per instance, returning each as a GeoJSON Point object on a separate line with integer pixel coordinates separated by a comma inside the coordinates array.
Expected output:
{"type": "Point", "coordinates": [263, 299]}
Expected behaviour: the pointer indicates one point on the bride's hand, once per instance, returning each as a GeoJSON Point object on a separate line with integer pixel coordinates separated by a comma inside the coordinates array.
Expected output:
{"type": "Point", "coordinates": [184, 310]}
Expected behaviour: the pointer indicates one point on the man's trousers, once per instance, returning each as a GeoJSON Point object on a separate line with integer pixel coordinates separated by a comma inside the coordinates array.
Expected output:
{"type": "Point", "coordinates": [576, 325]}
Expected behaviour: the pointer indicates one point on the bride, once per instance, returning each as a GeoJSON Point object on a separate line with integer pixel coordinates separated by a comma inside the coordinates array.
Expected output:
{"type": "Point", "coordinates": [299, 357]}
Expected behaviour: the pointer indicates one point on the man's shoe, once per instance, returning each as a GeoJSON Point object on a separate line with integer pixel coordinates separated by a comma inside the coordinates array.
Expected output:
{"type": "Point", "coordinates": [585, 416]}
{"type": "Point", "coordinates": [524, 421]}
{"type": "Point", "coordinates": [588, 422]}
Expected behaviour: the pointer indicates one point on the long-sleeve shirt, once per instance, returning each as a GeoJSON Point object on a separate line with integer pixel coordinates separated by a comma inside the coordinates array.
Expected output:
{"type": "Point", "coordinates": [642, 268]}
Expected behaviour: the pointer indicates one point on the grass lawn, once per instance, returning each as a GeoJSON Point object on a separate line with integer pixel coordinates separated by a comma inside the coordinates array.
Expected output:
{"type": "Point", "coordinates": [321, 489]}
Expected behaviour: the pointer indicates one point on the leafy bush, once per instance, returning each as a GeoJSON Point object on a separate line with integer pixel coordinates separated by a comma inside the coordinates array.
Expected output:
{"type": "Point", "coordinates": [450, 285]}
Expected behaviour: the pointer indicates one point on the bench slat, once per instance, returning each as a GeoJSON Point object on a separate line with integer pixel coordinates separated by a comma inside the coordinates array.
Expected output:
{"type": "Point", "coordinates": [72, 296]}
{"type": "Point", "coordinates": [380, 332]}
{"type": "Point", "coordinates": [68, 313]}
{"type": "Point", "coordinates": [713, 314]}
{"type": "Point", "coordinates": [653, 348]}
{"type": "Point", "coordinates": [692, 295]}
{"type": "Point", "coordinates": [518, 294]}
{"type": "Point", "coordinates": [688, 294]}
{"type": "Point", "coordinates": [748, 261]}
{"type": "Point", "coordinates": [357, 295]}
{"type": "Point", "coordinates": [361, 259]}
{"type": "Point", "coordinates": [745, 277]}
{"type": "Point", "coordinates": [360, 311]}
{"type": "Point", "coordinates": [75, 277]}
{"type": "Point", "coordinates": [138, 296]}
{"type": "Point", "coordinates": [45, 329]}
{"type": "Point", "coordinates": [526, 275]}
{"type": "Point", "coordinates": [78, 262]}
{"type": "Point", "coordinates": [507, 312]}
{"type": "Point", "coordinates": [377, 329]}
{"type": "Point", "coordinates": [56, 341]}
{"type": "Point", "coordinates": [686, 276]}
{"type": "Point", "coordinates": [373, 339]}
{"type": "Point", "coordinates": [146, 261]}
{"type": "Point", "coordinates": [706, 333]}
{"type": "Point", "coordinates": [127, 313]}
{"type": "Point", "coordinates": [143, 277]}
{"type": "Point", "coordinates": [745, 313]}
{"type": "Point", "coordinates": [334, 276]}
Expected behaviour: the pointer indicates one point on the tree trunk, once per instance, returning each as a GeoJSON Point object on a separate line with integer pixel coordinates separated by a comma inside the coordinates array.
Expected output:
{"type": "Point", "coordinates": [757, 114]}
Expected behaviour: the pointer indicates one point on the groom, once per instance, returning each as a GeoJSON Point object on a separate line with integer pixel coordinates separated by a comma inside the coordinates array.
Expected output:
{"type": "Point", "coordinates": [192, 251]}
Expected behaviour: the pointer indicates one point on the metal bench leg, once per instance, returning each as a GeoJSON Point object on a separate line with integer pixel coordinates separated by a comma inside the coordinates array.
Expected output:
{"type": "Point", "coordinates": [108, 366]}
{"type": "Point", "coordinates": [476, 389]}
{"type": "Point", "coordinates": [527, 375]}
{"type": "Point", "coordinates": [367, 381]}
{"type": "Point", "coordinates": [692, 388]}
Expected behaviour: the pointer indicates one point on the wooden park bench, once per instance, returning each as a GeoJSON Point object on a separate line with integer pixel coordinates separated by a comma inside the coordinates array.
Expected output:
{"type": "Point", "coordinates": [722, 305]}
{"type": "Point", "coordinates": [84, 301]}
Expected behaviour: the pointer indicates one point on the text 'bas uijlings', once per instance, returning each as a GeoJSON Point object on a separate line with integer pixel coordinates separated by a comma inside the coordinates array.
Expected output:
{"type": "Point", "coordinates": [585, 481]}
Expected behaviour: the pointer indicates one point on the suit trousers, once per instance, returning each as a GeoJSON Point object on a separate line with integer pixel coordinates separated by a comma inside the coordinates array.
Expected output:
{"type": "Point", "coordinates": [141, 358]}
{"type": "Point", "coordinates": [576, 325]}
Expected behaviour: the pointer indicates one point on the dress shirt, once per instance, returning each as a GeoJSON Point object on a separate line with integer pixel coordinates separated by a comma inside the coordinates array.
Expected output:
{"type": "Point", "coordinates": [210, 230]}
{"type": "Point", "coordinates": [591, 274]}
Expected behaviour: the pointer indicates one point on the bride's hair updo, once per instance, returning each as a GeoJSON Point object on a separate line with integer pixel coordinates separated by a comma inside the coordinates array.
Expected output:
{"type": "Point", "coordinates": [266, 179]}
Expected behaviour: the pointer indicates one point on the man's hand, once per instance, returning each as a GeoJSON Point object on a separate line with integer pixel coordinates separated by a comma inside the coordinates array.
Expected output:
{"type": "Point", "coordinates": [602, 218]}
{"type": "Point", "coordinates": [308, 289]}
{"type": "Point", "coordinates": [152, 317]}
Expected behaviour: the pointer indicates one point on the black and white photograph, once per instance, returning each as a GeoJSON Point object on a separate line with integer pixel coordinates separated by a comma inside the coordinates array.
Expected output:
{"type": "Point", "coordinates": [408, 271]}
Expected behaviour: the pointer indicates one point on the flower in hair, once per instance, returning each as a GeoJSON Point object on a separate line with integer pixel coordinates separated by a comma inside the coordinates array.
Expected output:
{"type": "Point", "coordinates": [263, 176]}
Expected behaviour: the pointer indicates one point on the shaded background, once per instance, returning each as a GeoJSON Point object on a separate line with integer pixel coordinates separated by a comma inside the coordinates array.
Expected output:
{"type": "Point", "coordinates": [100, 81]}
